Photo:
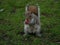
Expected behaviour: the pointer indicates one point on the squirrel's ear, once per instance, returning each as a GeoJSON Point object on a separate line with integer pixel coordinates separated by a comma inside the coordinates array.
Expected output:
{"type": "Point", "coordinates": [26, 8]}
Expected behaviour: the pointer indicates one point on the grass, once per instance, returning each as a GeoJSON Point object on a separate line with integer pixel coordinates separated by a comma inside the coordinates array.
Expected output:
{"type": "Point", "coordinates": [11, 22]}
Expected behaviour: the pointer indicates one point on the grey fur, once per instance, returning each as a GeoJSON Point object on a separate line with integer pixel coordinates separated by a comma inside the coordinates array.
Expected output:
{"type": "Point", "coordinates": [37, 26]}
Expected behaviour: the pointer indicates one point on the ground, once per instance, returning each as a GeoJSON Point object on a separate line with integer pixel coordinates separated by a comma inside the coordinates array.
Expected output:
{"type": "Point", "coordinates": [12, 18]}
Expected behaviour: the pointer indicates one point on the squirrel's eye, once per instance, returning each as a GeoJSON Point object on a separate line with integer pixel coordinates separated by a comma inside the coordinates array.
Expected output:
{"type": "Point", "coordinates": [29, 15]}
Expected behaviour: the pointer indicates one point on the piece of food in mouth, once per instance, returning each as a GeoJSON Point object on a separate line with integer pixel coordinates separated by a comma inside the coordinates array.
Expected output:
{"type": "Point", "coordinates": [26, 21]}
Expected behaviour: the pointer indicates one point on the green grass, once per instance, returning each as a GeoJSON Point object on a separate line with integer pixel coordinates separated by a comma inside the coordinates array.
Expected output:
{"type": "Point", "coordinates": [11, 23]}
